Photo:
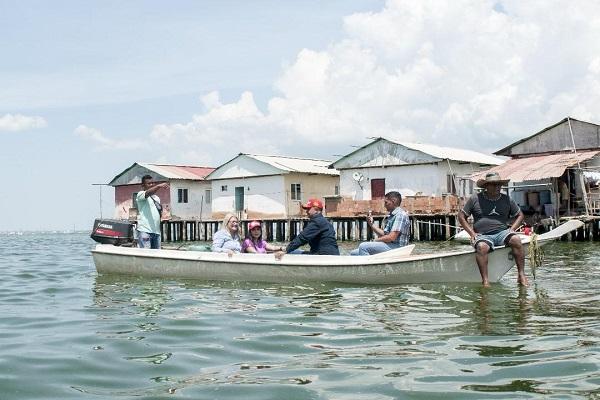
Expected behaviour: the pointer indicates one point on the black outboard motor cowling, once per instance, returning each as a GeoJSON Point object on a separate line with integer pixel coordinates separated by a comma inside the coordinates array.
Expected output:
{"type": "Point", "coordinates": [113, 231]}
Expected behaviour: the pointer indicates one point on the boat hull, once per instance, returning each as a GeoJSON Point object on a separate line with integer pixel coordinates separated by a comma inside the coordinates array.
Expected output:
{"type": "Point", "coordinates": [398, 268]}
{"type": "Point", "coordinates": [454, 267]}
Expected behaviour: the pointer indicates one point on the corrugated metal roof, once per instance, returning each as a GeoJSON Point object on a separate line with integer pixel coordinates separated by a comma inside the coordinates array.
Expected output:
{"type": "Point", "coordinates": [169, 171]}
{"type": "Point", "coordinates": [430, 150]}
{"type": "Point", "coordinates": [562, 121]}
{"type": "Point", "coordinates": [451, 153]}
{"type": "Point", "coordinates": [179, 171]}
{"type": "Point", "coordinates": [537, 167]}
{"type": "Point", "coordinates": [293, 164]}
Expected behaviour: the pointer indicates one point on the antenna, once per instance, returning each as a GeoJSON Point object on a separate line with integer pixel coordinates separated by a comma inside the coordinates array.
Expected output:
{"type": "Point", "coordinates": [358, 177]}
{"type": "Point", "coordinates": [100, 187]}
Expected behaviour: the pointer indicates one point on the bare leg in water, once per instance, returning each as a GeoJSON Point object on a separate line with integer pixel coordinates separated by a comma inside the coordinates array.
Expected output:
{"type": "Point", "coordinates": [481, 256]}
{"type": "Point", "coordinates": [517, 248]}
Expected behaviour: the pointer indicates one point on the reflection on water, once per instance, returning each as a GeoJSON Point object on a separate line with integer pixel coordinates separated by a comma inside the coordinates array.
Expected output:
{"type": "Point", "coordinates": [147, 296]}
{"type": "Point", "coordinates": [300, 335]}
{"type": "Point", "coordinates": [94, 336]}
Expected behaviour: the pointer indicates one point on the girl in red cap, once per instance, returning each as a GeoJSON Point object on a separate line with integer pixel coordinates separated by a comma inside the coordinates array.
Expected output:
{"type": "Point", "coordinates": [254, 242]}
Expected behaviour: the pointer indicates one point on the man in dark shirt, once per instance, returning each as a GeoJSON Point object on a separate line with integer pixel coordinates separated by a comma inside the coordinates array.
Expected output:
{"type": "Point", "coordinates": [318, 233]}
{"type": "Point", "coordinates": [491, 212]}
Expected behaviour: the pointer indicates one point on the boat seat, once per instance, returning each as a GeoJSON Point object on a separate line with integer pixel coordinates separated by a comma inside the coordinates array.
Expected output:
{"type": "Point", "coordinates": [402, 251]}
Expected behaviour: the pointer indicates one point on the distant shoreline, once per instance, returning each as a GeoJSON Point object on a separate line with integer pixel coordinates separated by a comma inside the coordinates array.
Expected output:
{"type": "Point", "coordinates": [49, 231]}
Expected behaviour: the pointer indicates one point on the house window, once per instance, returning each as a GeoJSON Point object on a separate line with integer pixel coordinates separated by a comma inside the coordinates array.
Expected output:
{"type": "Point", "coordinates": [134, 200]}
{"type": "Point", "coordinates": [223, 188]}
{"type": "Point", "coordinates": [296, 191]}
{"type": "Point", "coordinates": [208, 196]}
{"type": "Point", "coordinates": [182, 195]}
{"type": "Point", "coordinates": [336, 190]}
{"type": "Point", "coordinates": [451, 184]}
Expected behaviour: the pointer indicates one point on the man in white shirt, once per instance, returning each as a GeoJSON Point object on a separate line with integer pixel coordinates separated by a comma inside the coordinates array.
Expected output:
{"type": "Point", "coordinates": [148, 204]}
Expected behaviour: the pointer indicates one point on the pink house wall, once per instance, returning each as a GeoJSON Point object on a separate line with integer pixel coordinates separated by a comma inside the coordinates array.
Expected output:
{"type": "Point", "coordinates": [124, 200]}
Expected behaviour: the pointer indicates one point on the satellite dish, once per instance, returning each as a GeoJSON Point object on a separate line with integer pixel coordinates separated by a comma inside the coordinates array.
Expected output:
{"type": "Point", "coordinates": [358, 177]}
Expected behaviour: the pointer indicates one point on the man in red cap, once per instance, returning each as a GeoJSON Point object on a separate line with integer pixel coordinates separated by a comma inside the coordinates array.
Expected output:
{"type": "Point", "coordinates": [318, 233]}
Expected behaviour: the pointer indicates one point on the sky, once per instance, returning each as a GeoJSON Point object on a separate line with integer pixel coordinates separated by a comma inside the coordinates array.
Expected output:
{"type": "Point", "coordinates": [89, 88]}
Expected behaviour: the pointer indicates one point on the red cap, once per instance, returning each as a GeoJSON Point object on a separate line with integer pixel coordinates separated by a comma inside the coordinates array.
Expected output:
{"type": "Point", "coordinates": [313, 203]}
{"type": "Point", "coordinates": [253, 225]}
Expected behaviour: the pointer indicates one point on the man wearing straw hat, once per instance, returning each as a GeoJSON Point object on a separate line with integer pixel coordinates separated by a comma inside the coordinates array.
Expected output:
{"type": "Point", "coordinates": [492, 211]}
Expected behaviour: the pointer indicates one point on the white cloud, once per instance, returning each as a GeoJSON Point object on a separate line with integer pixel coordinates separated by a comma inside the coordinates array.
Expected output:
{"type": "Point", "coordinates": [104, 143]}
{"type": "Point", "coordinates": [238, 126]}
{"type": "Point", "coordinates": [19, 122]}
{"type": "Point", "coordinates": [470, 73]}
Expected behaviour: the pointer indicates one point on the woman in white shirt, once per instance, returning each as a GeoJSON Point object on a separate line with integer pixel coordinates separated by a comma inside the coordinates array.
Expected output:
{"type": "Point", "coordinates": [227, 239]}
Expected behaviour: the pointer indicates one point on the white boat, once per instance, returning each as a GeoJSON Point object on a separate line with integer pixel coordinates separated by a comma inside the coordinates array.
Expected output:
{"type": "Point", "coordinates": [464, 237]}
{"type": "Point", "coordinates": [393, 267]}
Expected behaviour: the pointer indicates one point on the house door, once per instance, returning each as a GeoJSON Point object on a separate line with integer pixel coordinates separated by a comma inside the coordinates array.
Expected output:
{"type": "Point", "coordinates": [239, 198]}
{"type": "Point", "coordinates": [377, 188]}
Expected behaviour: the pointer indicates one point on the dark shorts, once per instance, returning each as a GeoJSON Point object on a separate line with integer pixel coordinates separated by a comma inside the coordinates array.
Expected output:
{"type": "Point", "coordinates": [494, 239]}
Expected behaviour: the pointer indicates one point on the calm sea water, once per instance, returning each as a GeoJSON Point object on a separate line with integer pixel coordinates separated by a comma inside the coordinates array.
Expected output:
{"type": "Point", "coordinates": [67, 333]}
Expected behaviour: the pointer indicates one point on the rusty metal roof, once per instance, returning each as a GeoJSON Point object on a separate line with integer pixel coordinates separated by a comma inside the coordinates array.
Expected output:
{"type": "Point", "coordinates": [168, 171]}
{"type": "Point", "coordinates": [537, 167]}
{"type": "Point", "coordinates": [179, 171]}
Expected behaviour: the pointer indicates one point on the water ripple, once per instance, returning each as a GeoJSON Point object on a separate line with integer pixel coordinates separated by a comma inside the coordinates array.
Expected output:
{"type": "Point", "coordinates": [87, 336]}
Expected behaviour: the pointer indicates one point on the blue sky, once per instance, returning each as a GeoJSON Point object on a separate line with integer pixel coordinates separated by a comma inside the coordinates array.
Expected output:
{"type": "Point", "coordinates": [123, 67]}
{"type": "Point", "coordinates": [88, 88]}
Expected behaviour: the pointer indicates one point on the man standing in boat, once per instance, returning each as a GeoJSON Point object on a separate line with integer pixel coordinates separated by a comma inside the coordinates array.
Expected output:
{"type": "Point", "coordinates": [492, 211]}
{"type": "Point", "coordinates": [318, 233]}
{"type": "Point", "coordinates": [149, 209]}
{"type": "Point", "coordinates": [395, 233]}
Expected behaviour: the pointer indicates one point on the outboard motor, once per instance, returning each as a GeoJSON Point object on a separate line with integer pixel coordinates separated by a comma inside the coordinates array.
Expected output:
{"type": "Point", "coordinates": [113, 231]}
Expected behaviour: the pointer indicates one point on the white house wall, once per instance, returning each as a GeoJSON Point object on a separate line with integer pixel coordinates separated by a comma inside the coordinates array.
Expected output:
{"type": "Point", "coordinates": [264, 196]}
{"type": "Point", "coordinates": [409, 180]}
{"type": "Point", "coordinates": [196, 207]}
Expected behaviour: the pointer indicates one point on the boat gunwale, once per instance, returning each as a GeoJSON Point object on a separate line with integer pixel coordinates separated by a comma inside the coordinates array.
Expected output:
{"type": "Point", "coordinates": [359, 261]}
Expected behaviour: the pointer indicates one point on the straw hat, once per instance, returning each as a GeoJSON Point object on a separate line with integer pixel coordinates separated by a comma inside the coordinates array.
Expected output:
{"type": "Point", "coordinates": [492, 177]}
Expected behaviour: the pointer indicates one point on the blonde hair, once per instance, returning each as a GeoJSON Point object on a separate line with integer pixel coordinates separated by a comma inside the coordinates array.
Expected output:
{"type": "Point", "coordinates": [226, 220]}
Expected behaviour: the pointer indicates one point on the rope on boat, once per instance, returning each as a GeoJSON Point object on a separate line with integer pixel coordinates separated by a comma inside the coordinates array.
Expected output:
{"type": "Point", "coordinates": [438, 223]}
{"type": "Point", "coordinates": [535, 254]}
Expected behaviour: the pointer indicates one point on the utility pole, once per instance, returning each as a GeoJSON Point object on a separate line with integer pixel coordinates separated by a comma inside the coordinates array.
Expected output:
{"type": "Point", "coordinates": [100, 187]}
